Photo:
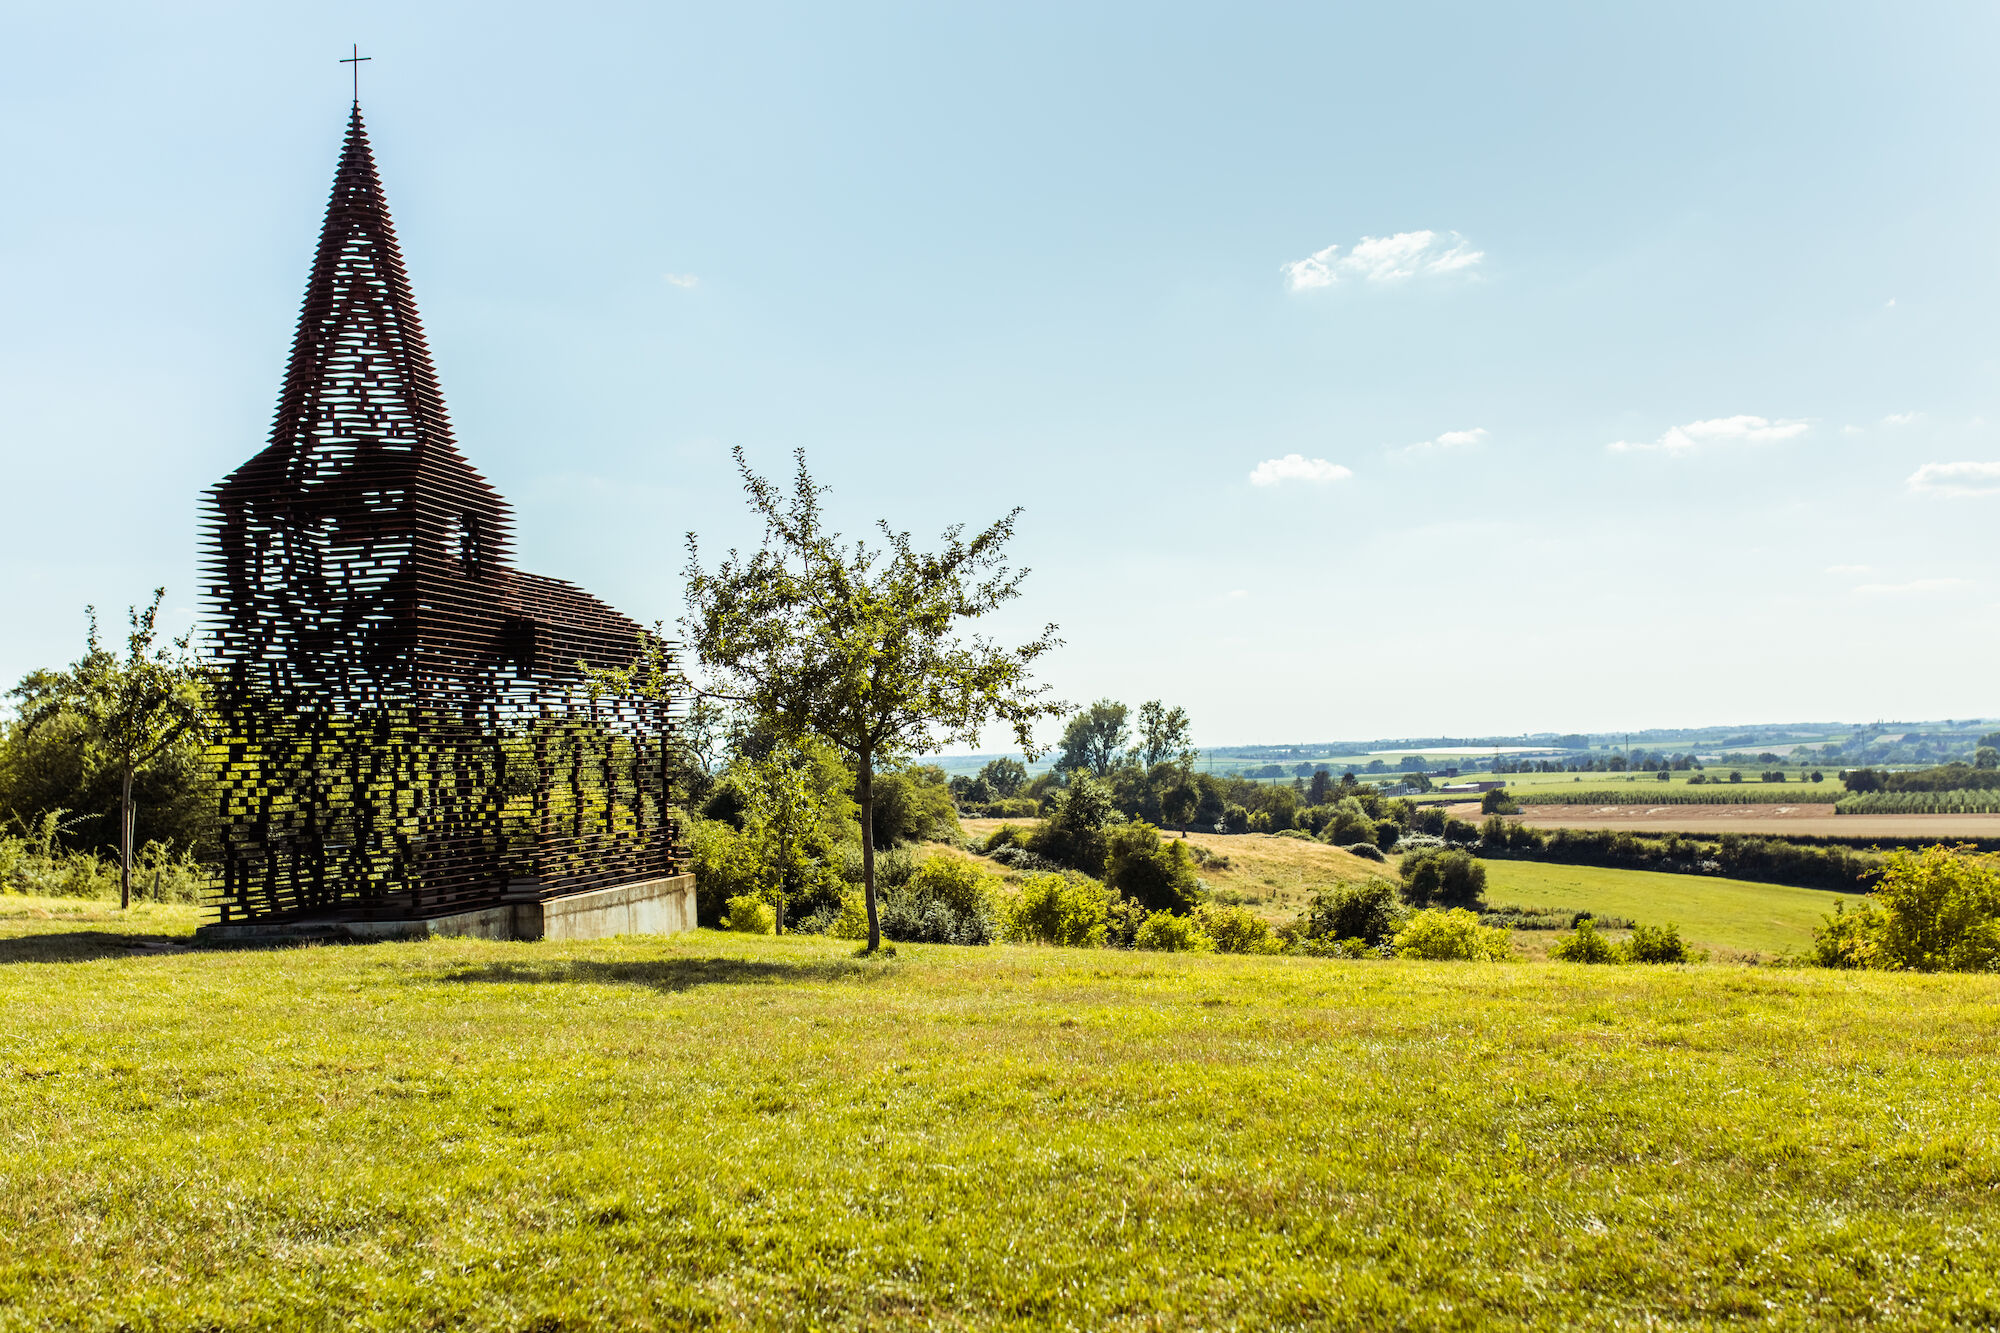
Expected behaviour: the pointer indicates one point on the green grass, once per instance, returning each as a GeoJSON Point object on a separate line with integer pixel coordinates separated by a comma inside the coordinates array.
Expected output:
{"type": "Point", "coordinates": [757, 1132]}
{"type": "Point", "coordinates": [1733, 915]}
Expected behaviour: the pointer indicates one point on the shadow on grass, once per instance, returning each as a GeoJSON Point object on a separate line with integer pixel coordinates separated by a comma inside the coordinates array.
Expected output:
{"type": "Point", "coordinates": [81, 946]}
{"type": "Point", "coordinates": [668, 974]}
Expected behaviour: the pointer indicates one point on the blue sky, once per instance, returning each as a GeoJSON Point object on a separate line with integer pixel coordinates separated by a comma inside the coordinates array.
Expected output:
{"type": "Point", "coordinates": [1638, 363]}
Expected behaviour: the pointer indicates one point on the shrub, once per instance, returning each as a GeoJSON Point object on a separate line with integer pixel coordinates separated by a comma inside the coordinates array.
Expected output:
{"type": "Point", "coordinates": [1066, 909]}
{"type": "Point", "coordinates": [1585, 946]}
{"type": "Point", "coordinates": [751, 915]}
{"type": "Point", "coordinates": [1443, 878]}
{"type": "Point", "coordinates": [1367, 851]}
{"type": "Point", "coordinates": [1387, 831]}
{"type": "Point", "coordinates": [1368, 912]}
{"type": "Point", "coordinates": [1498, 802]}
{"type": "Point", "coordinates": [1168, 933]}
{"type": "Point", "coordinates": [1075, 833]}
{"type": "Point", "coordinates": [1235, 818]}
{"type": "Point", "coordinates": [1932, 911]}
{"type": "Point", "coordinates": [848, 921]}
{"type": "Point", "coordinates": [1007, 835]}
{"type": "Point", "coordinates": [912, 805]}
{"type": "Point", "coordinates": [1451, 933]}
{"type": "Point", "coordinates": [1158, 875]}
{"type": "Point", "coordinates": [1236, 930]}
{"type": "Point", "coordinates": [946, 900]}
{"type": "Point", "coordinates": [1659, 944]}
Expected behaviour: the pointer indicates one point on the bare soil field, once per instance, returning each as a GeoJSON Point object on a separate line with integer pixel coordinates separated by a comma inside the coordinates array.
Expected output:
{"type": "Point", "coordinates": [1772, 819]}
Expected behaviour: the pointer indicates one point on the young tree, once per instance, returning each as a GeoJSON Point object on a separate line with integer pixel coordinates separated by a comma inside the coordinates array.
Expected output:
{"type": "Point", "coordinates": [130, 711]}
{"type": "Point", "coordinates": [1005, 777]}
{"type": "Point", "coordinates": [1094, 740]}
{"type": "Point", "coordinates": [1165, 737]}
{"type": "Point", "coordinates": [859, 647]}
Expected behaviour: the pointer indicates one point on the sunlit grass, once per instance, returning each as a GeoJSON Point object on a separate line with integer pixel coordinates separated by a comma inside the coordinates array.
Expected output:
{"type": "Point", "coordinates": [771, 1132]}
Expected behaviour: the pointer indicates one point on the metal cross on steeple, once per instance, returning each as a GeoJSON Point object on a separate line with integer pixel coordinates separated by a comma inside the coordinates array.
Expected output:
{"type": "Point", "coordinates": [355, 60]}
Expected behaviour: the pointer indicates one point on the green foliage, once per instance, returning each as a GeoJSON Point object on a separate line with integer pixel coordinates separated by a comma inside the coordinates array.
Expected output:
{"type": "Point", "coordinates": [1932, 911]}
{"type": "Point", "coordinates": [1451, 933]}
{"type": "Point", "coordinates": [1165, 737]}
{"type": "Point", "coordinates": [946, 900]}
{"type": "Point", "coordinates": [1067, 909]}
{"type": "Point", "coordinates": [1434, 876]}
{"type": "Point", "coordinates": [1957, 801]}
{"type": "Point", "coordinates": [1004, 777]}
{"type": "Point", "coordinates": [1585, 946]}
{"type": "Point", "coordinates": [1691, 794]}
{"type": "Point", "coordinates": [1237, 930]}
{"type": "Point", "coordinates": [1369, 911]}
{"type": "Point", "coordinates": [1075, 832]}
{"type": "Point", "coordinates": [750, 915]}
{"type": "Point", "coordinates": [913, 805]}
{"type": "Point", "coordinates": [34, 863]}
{"type": "Point", "coordinates": [1094, 740]}
{"type": "Point", "coordinates": [858, 647]}
{"type": "Point", "coordinates": [1158, 875]}
{"type": "Point", "coordinates": [1499, 801]}
{"type": "Point", "coordinates": [1167, 933]}
{"type": "Point", "coordinates": [86, 735]}
{"type": "Point", "coordinates": [1659, 944]}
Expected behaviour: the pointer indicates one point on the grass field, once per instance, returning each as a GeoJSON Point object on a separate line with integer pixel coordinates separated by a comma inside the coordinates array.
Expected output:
{"type": "Point", "coordinates": [753, 1132]}
{"type": "Point", "coordinates": [1731, 917]}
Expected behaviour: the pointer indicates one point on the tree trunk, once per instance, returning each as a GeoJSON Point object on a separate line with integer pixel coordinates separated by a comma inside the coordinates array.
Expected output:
{"type": "Point", "coordinates": [864, 789]}
{"type": "Point", "coordinates": [125, 843]}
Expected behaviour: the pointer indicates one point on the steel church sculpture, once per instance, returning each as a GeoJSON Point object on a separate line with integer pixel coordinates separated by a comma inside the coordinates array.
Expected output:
{"type": "Point", "coordinates": [406, 730]}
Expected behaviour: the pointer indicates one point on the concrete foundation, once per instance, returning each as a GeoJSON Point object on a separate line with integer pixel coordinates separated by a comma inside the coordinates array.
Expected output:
{"type": "Point", "coordinates": [652, 907]}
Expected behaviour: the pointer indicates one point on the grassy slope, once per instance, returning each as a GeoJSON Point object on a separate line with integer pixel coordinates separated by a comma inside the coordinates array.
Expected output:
{"type": "Point", "coordinates": [769, 1132]}
{"type": "Point", "coordinates": [1726, 915]}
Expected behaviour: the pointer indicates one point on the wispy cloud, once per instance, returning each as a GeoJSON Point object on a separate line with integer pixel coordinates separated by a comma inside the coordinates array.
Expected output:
{"type": "Point", "coordinates": [1902, 418]}
{"type": "Point", "coordinates": [1383, 259]}
{"type": "Point", "coordinates": [1848, 569]}
{"type": "Point", "coordinates": [1297, 467]}
{"type": "Point", "coordinates": [1451, 439]}
{"type": "Point", "coordinates": [1715, 431]}
{"type": "Point", "coordinates": [682, 279]}
{"type": "Point", "coordinates": [1956, 481]}
{"type": "Point", "coordinates": [1914, 588]}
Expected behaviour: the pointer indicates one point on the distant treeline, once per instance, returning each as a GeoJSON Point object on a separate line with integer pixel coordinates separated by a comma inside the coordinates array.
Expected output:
{"type": "Point", "coordinates": [1945, 777]}
{"type": "Point", "coordinates": [1796, 862]}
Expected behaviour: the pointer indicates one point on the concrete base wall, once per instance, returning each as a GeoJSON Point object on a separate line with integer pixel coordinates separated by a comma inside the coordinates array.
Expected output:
{"type": "Point", "coordinates": [653, 907]}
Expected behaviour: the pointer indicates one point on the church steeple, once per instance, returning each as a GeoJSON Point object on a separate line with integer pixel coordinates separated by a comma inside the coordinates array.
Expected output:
{"type": "Point", "coordinates": [360, 371]}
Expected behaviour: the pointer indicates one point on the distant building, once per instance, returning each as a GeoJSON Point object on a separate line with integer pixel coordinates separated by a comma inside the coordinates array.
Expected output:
{"type": "Point", "coordinates": [1470, 788]}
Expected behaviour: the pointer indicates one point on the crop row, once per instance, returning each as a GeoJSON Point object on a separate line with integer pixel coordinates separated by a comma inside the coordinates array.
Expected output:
{"type": "Point", "coordinates": [1961, 801]}
{"type": "Point", "coordinates": [1731, 793]}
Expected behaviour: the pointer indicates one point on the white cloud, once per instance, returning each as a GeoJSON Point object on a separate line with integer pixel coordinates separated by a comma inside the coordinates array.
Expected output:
{"type": "Point", "coordinates": [1383, 259]}
{"type": "Point", "coordinates": [1716, 430]}
{"type": "Point", "coordinates": [1239, 592]}
{"type": "Point", "coordinates": [1956, 481]}
{"type": "Point", "coordinates": [1451, 439]}
{"type": "Point", "coordinates": [1902, 418]}
{"type": "Point", "coordinates": [1915, 587]}
{"type": "Point", "coordinates": [1847, 569]}
{"type": "Point", "coordinates": [1297, 467]}
{"type": "Point", "coordinates": [682, 279]}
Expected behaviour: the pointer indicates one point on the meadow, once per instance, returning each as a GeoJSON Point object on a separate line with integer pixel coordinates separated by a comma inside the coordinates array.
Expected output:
{"type": "Point", "coordinates": [731, 1131]}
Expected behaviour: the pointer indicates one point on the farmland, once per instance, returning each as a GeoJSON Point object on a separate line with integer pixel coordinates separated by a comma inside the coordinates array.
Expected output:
{"type": "Point", "coordinates": [1762, 820]}
{"type": "Point", "coordinates": [757, 1132]}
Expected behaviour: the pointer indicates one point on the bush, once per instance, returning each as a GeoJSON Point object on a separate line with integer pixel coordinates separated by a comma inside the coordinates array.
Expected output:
{"type": "Point", "coordinates": [848, 921]}
{"type": "Point", "coordinates": [1014, 807]}
{"type": "Point", "coordinates": [1235, 930]}
{"type": "Point", "coordinates": [1007, 835]}
{"type": "Point", "coordinates": [1659, 944]}
{"type": "Point", "coordinates": [1498, 802]}
{"type": "Point", "coordinates": [1585, 946]}
{"type": "Point", "coordinates": [1387, 831]}
{"type": "Point", "coordinates": [1451, 933]}
{"type": "Point", "coordinates": [1157, 875]}
{"type": "Point", "coordinates": [751, 915]}
{"type": "Point", "coordinates": [1069, 910]}
{"type": "Point", "coordinates": [913, 805]}
{"type": "Point", "coordinates": [1932, 911]}
{"type": "Point", "coordinates": [1075, 833]}
{"type": "Point", "coordinates": [946, 900]}
{"type": "Point", "coordinates": [1167, 933]}
{"type": "Point", "coordinates": [1367, 851]}
{"type": "Point", "coordinates": [1443, 878]}
{"type": "Point", "coordinates": [1368, 912]}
